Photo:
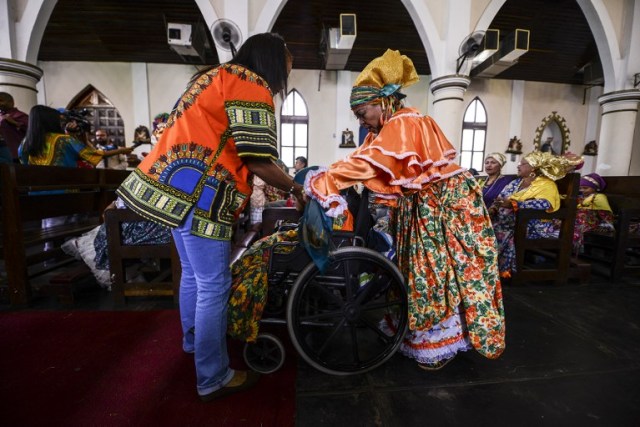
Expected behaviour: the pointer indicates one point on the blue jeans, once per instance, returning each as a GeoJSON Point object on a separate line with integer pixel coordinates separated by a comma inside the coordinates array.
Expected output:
{"type": "Point", "coordinates": [204, 294]}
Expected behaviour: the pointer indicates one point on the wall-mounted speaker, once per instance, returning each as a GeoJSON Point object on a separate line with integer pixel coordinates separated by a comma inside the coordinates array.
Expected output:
{"type": "Point", "coordinates": [348, 24]}
{"type": "Point", "coordinates": [186, 39]}
{"type": "Point", "coordinates": [179, 34]}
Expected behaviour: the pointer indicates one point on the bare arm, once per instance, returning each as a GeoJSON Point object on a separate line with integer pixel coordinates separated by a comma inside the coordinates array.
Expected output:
{"type": "Point", "coordinates": [125, 150]}
{"type": "Point", "coordinates": [273, 175]}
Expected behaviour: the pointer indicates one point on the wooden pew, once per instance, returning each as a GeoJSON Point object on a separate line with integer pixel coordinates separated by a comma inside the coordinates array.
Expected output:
{"type": "Point", "coordinates": [608, 250]}
{"type": "Point", "coordinates": [165, 283]}
{"type": "Point", "coordinates": [33, 193]}
{"type": "Point", "coordinates": [557, 251]}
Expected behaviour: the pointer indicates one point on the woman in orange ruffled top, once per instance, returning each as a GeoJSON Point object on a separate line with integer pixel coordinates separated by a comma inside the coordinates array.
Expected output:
{"type": "Point", "coordinates": [446, 247]}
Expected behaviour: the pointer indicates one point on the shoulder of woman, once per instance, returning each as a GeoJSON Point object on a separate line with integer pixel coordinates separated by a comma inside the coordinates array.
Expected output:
{"type": "Point", "coordinates": [249, 80]}
{"type": "Point", "coordinates": [544, 180]}
{"type": "Point", "coordinates": [63, 137]}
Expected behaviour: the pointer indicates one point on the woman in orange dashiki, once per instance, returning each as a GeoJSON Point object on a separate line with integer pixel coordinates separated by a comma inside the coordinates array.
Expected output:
{"type": "Point", "coordinates": [196, 181]}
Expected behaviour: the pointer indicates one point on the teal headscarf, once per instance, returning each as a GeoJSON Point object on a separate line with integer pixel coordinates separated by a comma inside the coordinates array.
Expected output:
{"type": "Point", "coordinates": [365, 94]}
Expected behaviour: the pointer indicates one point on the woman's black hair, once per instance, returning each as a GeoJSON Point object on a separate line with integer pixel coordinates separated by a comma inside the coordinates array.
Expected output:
{"type": "Point", "coordinates": [265, 54]}
{"type": "Point", "coordinates": [142, 128]}
{"type": "Point", "coordinates": [42, 120]}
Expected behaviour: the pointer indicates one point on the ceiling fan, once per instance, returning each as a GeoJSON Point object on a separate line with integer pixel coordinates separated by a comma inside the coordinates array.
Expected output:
{"type": "Point", "coordinates": [469, 48]}
{"type": "Point", "coordinates": [226, 35]}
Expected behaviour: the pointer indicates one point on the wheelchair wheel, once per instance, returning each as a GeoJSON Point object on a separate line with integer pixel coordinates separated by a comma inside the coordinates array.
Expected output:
{"type": "Point", "coordinates": [266, 355]}
{"type": "Point", "coordinates": [337, 320]}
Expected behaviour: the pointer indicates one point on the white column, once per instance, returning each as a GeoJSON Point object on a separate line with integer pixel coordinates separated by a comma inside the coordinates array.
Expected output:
{"type": "Point", "coordinates": [140, 81]}
{"type": "Point", "coordinates": [515, 124]}
{"type": "Point", "coordinates": [447, 105]}
{"type": "Point", "coordinates": [619, 112]}
{"type": "Point", "coordinates": [19, 79]}
{"type": "Point", "coordinates": [517, 108]}
{"type": "Point", "coordinates": [591, 131]}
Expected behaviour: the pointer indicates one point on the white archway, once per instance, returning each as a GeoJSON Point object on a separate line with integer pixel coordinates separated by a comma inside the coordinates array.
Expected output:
{"type": "Point", "coordinates": [30, 29]}
{"type": "Point", "coordinates": [423, 21]}
{"type": "Point", "coordinates": [268, 16]}
{"type": "Point", "coordinates": [607, 42]}
{"type": "Point", "coordinates": [489, 14]}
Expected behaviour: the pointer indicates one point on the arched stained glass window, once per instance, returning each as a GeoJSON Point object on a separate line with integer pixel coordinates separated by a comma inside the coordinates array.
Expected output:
{"type": "Point", "coordinates": [294, 129]}
{"type": "Point", "coordinates": [474, 136]}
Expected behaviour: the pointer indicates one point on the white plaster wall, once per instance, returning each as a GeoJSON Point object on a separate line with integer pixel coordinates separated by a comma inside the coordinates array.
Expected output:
{"type": "Point", "coordinates": [166, 84]}
{"type": "Point", "coordinates": [542, 99]}
{"type": "Point", "coordinates": [321, 108]}
{"type": "Point", "coordinates": [496, 96]}
{"type": "Point", "coordinates": [63, 80]}
{"type": "Point", "coordinates": [418, 95]}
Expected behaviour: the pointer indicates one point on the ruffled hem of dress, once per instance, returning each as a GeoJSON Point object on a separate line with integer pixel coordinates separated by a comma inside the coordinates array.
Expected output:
{"type": "Point", "coordinates": [325, 201]}
{"type": "Point", "coordinates": [435, 355]}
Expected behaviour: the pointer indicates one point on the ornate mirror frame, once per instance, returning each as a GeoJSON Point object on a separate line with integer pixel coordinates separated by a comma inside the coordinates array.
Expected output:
{"type": "Point", "coordinates": [561, 123]}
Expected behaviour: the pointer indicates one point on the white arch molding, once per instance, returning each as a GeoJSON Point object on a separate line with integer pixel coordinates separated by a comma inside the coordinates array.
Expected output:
{"type": "Point", "coordinates": [268, 16]}
{"type": "Point", "coordinates": [489, 14]}
{"type": "Point", "coordinates": [606, 40]}
{"type": "Point", "coordinates": [30, 29]}
{"type": "Point", "coordinates": [423, 21]}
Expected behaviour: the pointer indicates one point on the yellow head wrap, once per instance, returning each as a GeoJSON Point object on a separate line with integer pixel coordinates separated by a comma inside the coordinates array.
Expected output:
{"type": "Point", "coordinates": [382, 77]}
{"type": "Point", "coordinates": [552, 166]}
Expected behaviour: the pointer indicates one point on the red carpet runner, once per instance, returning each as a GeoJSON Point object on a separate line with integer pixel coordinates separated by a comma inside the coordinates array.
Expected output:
{"type": "Point", "coordinates": [121, 368]}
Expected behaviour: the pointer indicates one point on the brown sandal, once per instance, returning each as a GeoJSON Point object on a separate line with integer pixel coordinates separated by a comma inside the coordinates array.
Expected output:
{"type": "Point", "coordinates": [435, 366]}
{"type": "Point", "coordinates": [234, 386]}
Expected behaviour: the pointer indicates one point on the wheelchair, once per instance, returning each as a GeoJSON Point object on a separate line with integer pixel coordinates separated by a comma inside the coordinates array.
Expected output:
{"type": "Point", "coordinates": [348, 320]}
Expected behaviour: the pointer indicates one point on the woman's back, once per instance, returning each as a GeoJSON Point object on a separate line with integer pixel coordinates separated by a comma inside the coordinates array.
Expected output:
{"type": "Point", "coordinates": [61, 150]}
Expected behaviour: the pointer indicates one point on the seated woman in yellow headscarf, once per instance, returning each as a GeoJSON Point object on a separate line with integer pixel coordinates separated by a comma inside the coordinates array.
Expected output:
{"type": "Point", "coordinates": [443, 237]}
{"type": "Point", "coordinates": [535, 188]}
{"type": "Point", "coordinates": [594, 211]}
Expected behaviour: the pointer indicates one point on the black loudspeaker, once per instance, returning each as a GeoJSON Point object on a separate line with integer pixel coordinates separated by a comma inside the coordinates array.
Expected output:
{"type": "Point", "coordinates": [348, 24]}
{"type": "Point", "coordinates": [522, 39]}
{"type": "Point", "coordinates": [491, 40]}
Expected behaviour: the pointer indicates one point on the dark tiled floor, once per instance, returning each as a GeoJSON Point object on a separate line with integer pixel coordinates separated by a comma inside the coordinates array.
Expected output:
{"type": "Point", "coordinates": [572, 358]}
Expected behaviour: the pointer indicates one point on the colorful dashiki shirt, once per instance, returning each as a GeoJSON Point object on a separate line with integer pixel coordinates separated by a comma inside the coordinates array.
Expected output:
{"type": "Point", "coordinates": [62, 150]}
{"type": "Point", "coordinates": [445, 244]}
{"type": "Point", "coordinates": [226, 115]}
{"type": "Point", "coordinates": [542, 194]}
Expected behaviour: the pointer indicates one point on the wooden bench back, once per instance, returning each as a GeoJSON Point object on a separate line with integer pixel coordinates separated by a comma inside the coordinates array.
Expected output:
{"type": "Point", "coordinates": [271, 216]}
{"type": "Point", "coordinates": [625, 185]}
{"type": "Point", "coordinates": [568, 188]}
{"type": "Point", "coordinates": [166, 283]}
{"type": "Point", "coordinates": [30, 194]}
{"type": "Point", "coordinates": [623, 194]}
